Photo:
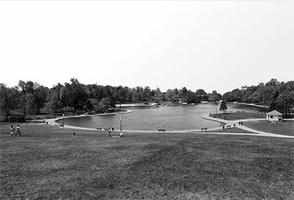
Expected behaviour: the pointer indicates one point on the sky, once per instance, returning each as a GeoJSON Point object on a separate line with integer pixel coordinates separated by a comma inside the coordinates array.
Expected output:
{"type": "Point", "coordinates": [213, 45]}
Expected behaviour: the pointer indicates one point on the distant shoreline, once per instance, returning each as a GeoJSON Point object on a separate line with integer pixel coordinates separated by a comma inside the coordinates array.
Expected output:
{"type": "Point", "coordinates": [58, 121]}
{"type": "Point", "coordinates": [53, 121]}
{"type": "Point", "coordinates": [250, 104]}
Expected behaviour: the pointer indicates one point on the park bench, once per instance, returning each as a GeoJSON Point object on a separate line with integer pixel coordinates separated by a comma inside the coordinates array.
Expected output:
{"type": "Point", "coordinates": [161, 130]}
{"type": "Point", "coordinates": [203, 129]}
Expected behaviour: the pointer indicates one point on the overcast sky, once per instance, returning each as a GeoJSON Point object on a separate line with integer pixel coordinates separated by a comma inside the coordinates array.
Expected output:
{"type": "Point", "coordinates": [218, 45]}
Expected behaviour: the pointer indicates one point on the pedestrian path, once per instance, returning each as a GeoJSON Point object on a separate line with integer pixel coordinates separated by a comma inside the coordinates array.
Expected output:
{"type": "Point", "coordinates": [198, 131]}
{"type": "Point", "coordinates": [235, 123]}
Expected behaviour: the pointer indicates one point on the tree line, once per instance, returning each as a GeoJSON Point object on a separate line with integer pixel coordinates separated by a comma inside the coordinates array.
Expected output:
{"type": "Point", "coordinates": [274, 94]}
{"type": "Point", "coordinates": [30, 98]}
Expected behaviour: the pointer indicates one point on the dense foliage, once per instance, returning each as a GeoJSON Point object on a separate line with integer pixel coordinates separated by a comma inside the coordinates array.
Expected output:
{"type": "Point", "coordinates": [223, 106]}
{"type": "Point", "coordinates": [277, 95]}
{"type": "Point", "coordinates": [33, 98]}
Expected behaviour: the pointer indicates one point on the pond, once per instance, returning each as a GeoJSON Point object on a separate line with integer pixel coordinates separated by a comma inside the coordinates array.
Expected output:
{"type": "Point", "coordinates": [166, 117]}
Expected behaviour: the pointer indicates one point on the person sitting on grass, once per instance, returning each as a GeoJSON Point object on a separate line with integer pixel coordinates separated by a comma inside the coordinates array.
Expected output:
{"type": "Point", "coordinates": [11, 130]}
{"type": "Point", "coordinates": [117, 136]}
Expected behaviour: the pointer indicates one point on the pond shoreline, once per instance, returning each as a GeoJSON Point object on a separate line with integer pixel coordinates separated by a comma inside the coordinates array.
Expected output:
{"type": "Point", "coordinates": [54, 122]}
{"type": "Point", "coordinates": [250, 104]}
{"type": "Point", "coordinates": [58, 122]}
{"type": "Point", "coordinates": [246, 129]}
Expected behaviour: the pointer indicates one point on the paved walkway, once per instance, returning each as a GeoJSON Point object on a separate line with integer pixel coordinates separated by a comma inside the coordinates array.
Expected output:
{"type": "Point", "coordinates": [236, 123]}
{"type": "Point", "coordinates": [198, 131]}
{"type": "Point", "coordinates": [53, 122]}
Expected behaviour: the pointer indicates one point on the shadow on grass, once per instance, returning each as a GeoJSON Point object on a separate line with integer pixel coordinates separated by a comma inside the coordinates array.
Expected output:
{"type": "Point", "coordinates": [179, 170]}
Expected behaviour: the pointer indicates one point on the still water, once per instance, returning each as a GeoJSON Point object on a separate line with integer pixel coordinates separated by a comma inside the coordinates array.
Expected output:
{"type": "Point", "coordinates": [165, 117]}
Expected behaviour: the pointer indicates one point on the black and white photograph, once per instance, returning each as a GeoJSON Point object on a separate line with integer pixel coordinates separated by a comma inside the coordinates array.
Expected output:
{"type": "Point", "coordinates": [147, 99]}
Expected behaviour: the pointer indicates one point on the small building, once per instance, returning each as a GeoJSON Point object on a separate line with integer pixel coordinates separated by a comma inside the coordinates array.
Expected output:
{"type": "Point", "coordinates": [274, 116]}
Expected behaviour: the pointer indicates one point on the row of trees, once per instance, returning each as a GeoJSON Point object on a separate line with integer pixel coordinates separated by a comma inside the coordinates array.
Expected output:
{"type": "Point", "coordinates": [28, 96]}
{"type": "Point", "coordinates": [33, 98]}
{"type": "Point", "coordinates": [277, 95]}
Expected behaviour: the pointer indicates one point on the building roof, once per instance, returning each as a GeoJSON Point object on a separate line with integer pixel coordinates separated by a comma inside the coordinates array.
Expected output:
{"type": "Point", "coordinates": [274, 113]}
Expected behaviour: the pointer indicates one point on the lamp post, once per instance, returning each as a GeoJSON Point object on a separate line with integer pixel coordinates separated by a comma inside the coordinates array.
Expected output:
{"type": "Point", "coordinates": [63, 119]}
{"type": "Point", "coordinates": [120, 122]}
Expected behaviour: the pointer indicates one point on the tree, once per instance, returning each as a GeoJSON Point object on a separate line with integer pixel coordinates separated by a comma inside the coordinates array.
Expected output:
{"type": "Point", "coordinates": [40, 95]}
{"type": "Point", "coordinates": [146, 94]}
{"type": "Point", "coordinates": [172, 95]}
{"type": "Point", "coordinates": [75, 95]}
{"type": "Point", "coordinates": [233, 96]}
{"type": "Point", "coordinates": [104, 105]}
{"type": "Point", "coordinates": [202, 95]}
{"type": "Point", "coordinates": [183, 94]}
{"type": "Point", "coordinates": [157, 95]}
{"type": "Point", "coordinates": [277, 95]}
{"type": "Point", "coordinates": [9, 98]}
{"type": "Point", "coordinates": [214, 96]}
{"type": "Point", "coordinates": [223, 106]}
{"type": "Point", "coordinates": [26, 88]}
{"type": "Point", "coordinates": [285, 102]}
{"type": "Point", "coordinates": [55, 103]}
{"type": "Point", "coordinates": [137, 94]}
{"type": "Point", "coordinates": [191, 97]}
{"type": "Point", "coordinates": [121, 94]}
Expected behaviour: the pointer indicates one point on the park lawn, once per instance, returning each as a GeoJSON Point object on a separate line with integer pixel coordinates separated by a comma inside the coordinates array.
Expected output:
{"type": "Point", "coordinates": [284, 128]}
{"type": "Point", "coordinates": [238, 115]}
{"type": "Point", "coordinates": [230, 130]}
{"type": "Point", "coordinates": [51, 163]}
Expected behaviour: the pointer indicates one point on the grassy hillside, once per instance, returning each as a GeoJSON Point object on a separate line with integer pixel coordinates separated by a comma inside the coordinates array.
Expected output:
{"type": "Point", "coordinates": [284, 128]}
{"type": "Point", "coordinates": [51, 163]}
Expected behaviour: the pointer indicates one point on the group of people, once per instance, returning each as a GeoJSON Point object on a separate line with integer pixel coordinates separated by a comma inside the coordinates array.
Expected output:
{"type": "Point", "coordinates": [229, 126]}
{"type": "Point", "coordinates": [15, 131]}
{"type": "Point", "coordinates": [112, 130]}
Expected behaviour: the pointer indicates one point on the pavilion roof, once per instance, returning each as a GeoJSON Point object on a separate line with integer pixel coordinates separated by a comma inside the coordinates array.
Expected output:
{"type": "Point", "coordinates": [274, 113]}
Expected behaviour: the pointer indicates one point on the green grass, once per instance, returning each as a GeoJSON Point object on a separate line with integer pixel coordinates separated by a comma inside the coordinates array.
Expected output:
{"type": "Point", "coordinates": [51, 163]}
{"type": "Point", "coordinates": [239, 115]}
{"type": "Point", "coordinates": [285, 128]}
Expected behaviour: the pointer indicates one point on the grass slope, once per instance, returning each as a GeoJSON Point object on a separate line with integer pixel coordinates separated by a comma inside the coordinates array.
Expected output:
{"type": "Point", "coordinates": [51, 163]}
{"type": "Point", "coordinates": [284, 128]}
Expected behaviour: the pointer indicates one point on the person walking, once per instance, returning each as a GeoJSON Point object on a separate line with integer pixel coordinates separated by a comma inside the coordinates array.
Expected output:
{"type": "Point", "coordinates": [121, 134]}
{"type": "Point", "coordinates": [18, 130]}
{"type": "Point", "coordinates": [11, 130]}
